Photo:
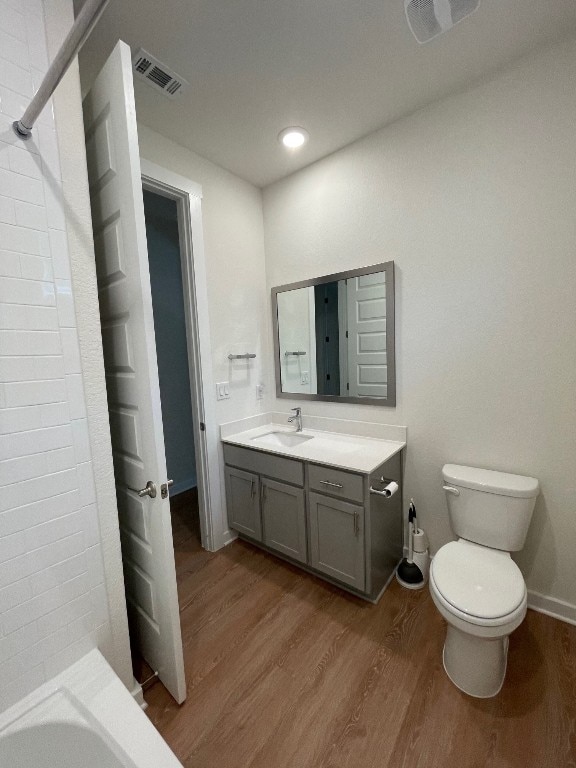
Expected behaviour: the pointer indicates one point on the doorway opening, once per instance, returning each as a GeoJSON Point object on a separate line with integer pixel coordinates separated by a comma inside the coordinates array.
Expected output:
{"type": "Point", "coordinates": [165, 265]}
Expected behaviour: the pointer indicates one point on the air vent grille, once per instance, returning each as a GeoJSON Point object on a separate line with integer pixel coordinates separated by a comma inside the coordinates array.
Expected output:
{"type": "Point", "coordinates": [158, 75]}
{"type": "Point", "coordinates": [429, 18]}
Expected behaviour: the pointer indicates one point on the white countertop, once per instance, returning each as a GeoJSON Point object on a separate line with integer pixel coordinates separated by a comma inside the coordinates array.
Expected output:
{"type": "Point", "coordinates": [334, 449]}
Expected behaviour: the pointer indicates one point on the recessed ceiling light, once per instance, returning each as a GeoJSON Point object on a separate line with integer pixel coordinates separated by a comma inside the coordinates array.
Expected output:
{"type": "Point", "coordinates": [293, 137]}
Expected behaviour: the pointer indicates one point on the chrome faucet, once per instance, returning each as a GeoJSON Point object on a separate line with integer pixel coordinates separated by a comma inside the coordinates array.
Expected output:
{"type": "Point", "coordinates": [297, 418]}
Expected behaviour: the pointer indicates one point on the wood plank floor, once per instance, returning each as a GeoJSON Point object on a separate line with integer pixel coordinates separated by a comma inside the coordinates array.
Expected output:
{"type": "Point", "coordinates": [285, 671]}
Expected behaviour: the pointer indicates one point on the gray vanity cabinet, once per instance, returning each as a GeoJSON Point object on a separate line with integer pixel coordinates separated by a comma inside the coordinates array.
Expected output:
{"type": "Point", "coordinates": [284, 519]}
{"type": "Point", "coordinates": [324, 518]}
{"type": "Point", "coordinates": [243, 494]}
{"type": "Point", "coordinates": [337, 540]}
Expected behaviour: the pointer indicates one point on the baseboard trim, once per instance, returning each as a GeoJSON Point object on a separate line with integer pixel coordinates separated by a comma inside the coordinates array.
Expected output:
{"type": "Point", "coordinates": [551, 606]}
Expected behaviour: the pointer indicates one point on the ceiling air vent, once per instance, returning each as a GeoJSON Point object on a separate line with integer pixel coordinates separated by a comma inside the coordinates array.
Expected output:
{"type": "Point", "coordinates": [429, 18]}
{"type": "Point", "coordinates": [158, 75]}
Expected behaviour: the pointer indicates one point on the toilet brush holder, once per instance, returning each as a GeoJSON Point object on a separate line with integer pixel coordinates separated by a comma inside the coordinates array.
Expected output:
{"type": "Point", "coordinates": [413, 571]}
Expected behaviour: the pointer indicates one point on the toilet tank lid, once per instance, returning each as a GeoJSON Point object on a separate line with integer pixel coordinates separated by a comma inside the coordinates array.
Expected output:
{"type": "Point", "coordinates": [489, 481]}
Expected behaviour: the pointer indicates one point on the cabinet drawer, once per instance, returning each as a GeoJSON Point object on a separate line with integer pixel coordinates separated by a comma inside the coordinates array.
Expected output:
{"type": "Point", "coordinates": [336, 482]}
{"type": "Point", "coordinates": [287, 470]}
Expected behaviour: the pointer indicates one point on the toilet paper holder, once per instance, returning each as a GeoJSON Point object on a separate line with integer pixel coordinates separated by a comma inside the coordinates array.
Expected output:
{"type": "Point", "coordinates": [390, 488]}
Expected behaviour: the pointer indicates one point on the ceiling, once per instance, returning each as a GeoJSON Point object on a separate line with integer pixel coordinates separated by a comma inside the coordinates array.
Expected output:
{"type": "Point", "coordinates": [339, 68]}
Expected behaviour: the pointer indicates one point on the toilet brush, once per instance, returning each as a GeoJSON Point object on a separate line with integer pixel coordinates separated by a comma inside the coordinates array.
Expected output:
{"type": "Point", "coordinates": [409, 574]}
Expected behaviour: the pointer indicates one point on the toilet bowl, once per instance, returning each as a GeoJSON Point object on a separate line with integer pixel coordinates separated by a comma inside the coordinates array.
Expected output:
{"type": "Point", "coordinates": [481, 594]}
{"type": "Point", "coordinates": [474, 583]}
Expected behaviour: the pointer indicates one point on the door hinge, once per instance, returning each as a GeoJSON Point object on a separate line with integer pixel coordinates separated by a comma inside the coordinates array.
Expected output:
{"type": "Point", "coordinates": [202, 427]}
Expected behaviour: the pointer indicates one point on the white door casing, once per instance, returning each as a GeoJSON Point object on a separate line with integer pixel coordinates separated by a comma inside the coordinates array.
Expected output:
{"type": "Point", "coordinates": [367, 363]}
{"type": "Point", "coordinates": [131, 368]}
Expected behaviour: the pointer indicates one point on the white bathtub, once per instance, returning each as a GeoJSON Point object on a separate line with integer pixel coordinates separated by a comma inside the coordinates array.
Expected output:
{"type": "Point", "coordinates": [84, 718]}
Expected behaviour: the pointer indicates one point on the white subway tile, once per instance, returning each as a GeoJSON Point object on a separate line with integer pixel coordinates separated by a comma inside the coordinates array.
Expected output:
{"type": "Point", "coordinates": [38, 56]}
{"type": "Point", "coordinates": [18, 641]}
{"type": "Point", "coordinates": [62, 571]}
{"type": "Point", "coordinates": [36, 268]}
{"type": "Point", "coordinates": [95, 566]}
{"type": "Point", "coordinates": [49, 151]}
{"type": "Point", "coordinates": [69, 611]}
{"type": "Point", "coordinates": [22, 686]}
{"type": "Point", "coordinates": [37, 489]}
{"type": "Point", "coordinates": [4, 147]}
{"type": "Point", "coordinates": [54, 205]}
{"type": "Point", "coordinates": [16, 369]}
{"type": "Point", "coordinates": [55, 413]}
{"type": "Point", "coordinates": [9, 264]}
{"type": "Point", "coordinates": [19, 239]}
{"type": "Point", "coordinates": [59, 252]}
{"type": "Point", "coordinates": [30, 342]}
{"type": "Point", "coordinates": [21, 187]}
{"type": "Point", "coordinates": [7, 211]}
{"type": "Point", "coordinates": [19, 317]}
{"type": "Point", "coordinates": [76, 400]}
{"type": "Point", "coordinates": [24, 162]}
{"type": "Point", "coordinates": [86, 484]}
{"type": "Point", "coordinates": [71, 350]}
{"type": "Point", "coordinates": [13, 595]}
{"type": "Point", "coordinates": [65, 304]}
{"type": "Point", "coordinates": [81, 440]}
{"type": "Point", "coordinates": [20, 419]}
{"type": "Point", "coordinates": [51, 367]}
{"type": "Point", "coordinates": [91, 525]}
{"type": "Point", "coordinates": [13, 50]}
{"type": "Point", "coordinates": [31, 216]}
{"type": "Point", "coordinates": [100, 604]}
{"type": "Point", "coordinates": [69, 655]}
{"type": "Point", "coordinates": [40, 607]}
{"type": "Point", "coordinates": [35, 392]}
{"type": "Point", "coordinates": [13, 22]}
{"type": "Point", "coordinates": [34, 292]}
{"type": "Point", "coordinates": [21, 518]}
{"type": "Point", "coordinates": [16, 78]}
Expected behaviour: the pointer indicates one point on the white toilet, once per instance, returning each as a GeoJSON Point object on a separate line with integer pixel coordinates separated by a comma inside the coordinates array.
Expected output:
{"type": "Point", "coordinates": [474, 582]}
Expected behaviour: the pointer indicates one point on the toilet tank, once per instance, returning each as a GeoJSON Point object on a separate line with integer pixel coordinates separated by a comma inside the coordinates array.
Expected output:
{"type": "Point", "coordinates": [489, 508]}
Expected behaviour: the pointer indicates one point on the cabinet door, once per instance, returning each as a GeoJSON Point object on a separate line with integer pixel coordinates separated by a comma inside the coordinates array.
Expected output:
{"type": "Point", "coordinates": [284, 519]}
{"type": "Point", "coordinates": [243, 499]}
{"type": "Point", "coordinates": [337, 540]}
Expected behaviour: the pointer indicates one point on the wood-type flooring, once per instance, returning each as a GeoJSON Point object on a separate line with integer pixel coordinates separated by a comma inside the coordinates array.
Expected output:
{"type": "Point", "coordinates": [286, 671]}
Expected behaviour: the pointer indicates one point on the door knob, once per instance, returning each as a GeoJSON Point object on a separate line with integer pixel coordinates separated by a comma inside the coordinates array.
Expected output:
{"type": "Point", "coordinates": [150, 490]}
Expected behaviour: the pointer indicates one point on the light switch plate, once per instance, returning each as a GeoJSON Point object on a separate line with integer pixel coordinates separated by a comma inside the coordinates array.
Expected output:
{"type": "Point", "coordinates": [305, 377]}
{"type": "Point", "coordinates": [259, 391]}
{"type": "Point", "coordinates": [223, 390]}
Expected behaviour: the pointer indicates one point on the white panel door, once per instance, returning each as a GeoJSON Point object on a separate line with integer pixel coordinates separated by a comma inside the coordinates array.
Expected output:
{"type": "Point", "coordinates": [367, 369]}
{"type": "Point", "coordinates": [131, 368]}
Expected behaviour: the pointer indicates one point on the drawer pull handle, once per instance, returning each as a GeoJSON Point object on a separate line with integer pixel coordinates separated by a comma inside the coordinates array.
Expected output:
{"type": "Point", "coordinates": [332, 485]}
{"type": "Point", "coordinates": [252, 489]}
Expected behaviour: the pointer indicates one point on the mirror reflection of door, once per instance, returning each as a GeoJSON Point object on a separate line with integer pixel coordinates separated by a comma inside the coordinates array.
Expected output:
{"type": "Point", "coordinates": [327, 324]}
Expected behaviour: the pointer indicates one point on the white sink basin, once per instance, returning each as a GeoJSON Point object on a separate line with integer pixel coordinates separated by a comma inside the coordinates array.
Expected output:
{"type": "Point", "coordinates": [280, 439]}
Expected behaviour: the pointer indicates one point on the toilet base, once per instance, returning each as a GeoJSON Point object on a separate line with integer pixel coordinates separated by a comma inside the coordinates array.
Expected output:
{"type": "Point", "coordinates": [476, 665]}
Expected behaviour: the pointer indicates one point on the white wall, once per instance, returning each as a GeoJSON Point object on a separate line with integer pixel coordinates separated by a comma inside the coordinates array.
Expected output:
{"type": "Point", "coordinates": [53, 599]}
{"type": "Point", "coordinates": [474, 198]}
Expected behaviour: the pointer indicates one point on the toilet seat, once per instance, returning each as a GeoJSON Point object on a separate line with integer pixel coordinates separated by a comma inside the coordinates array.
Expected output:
{"type": "Point", "coordinates": [477, 584]}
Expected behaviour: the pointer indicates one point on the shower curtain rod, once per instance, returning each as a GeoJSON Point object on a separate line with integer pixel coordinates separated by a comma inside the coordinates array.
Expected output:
{"type": "Point", "coordinates": [75, 39]}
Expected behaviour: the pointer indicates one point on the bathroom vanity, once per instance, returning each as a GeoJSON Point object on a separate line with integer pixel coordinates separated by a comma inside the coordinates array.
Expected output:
{"type": "Point", "coordinates": [317, 499]}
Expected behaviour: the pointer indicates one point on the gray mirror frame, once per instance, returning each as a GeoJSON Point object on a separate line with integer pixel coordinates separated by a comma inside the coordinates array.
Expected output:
{"type": "Point", "coordinates": [390, 400]}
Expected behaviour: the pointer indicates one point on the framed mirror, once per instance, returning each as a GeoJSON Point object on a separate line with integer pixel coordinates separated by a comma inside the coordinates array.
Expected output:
{"type": "Point", "coordinates": [334, 337]}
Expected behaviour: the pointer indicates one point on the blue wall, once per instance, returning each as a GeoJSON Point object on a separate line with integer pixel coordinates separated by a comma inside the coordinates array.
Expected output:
{"type": "Point", "coordinates": [171, 346]}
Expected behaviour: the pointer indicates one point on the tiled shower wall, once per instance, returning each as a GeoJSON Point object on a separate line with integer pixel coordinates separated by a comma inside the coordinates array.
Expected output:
{"type": "Point", "coordinates": [53, 603]}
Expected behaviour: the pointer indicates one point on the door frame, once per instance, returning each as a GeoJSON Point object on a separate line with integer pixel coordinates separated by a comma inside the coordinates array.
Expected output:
{"type": "Point", "coordinates": [188, 197]}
